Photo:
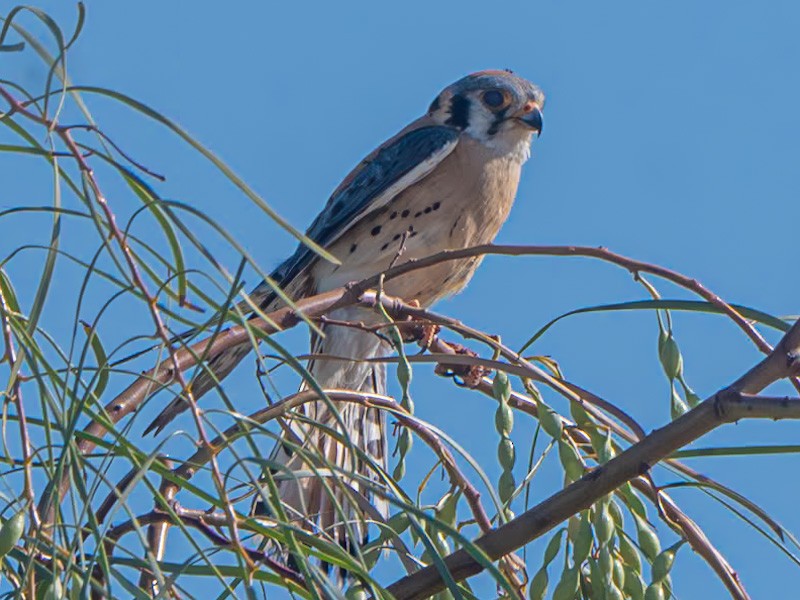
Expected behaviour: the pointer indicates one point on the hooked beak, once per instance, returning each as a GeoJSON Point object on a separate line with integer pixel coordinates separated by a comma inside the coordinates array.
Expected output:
{"type": "Point", "coordinates": [531, 117]}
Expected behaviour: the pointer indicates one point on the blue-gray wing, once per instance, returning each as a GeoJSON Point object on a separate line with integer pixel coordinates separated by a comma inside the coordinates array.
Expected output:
{"type": "Point", "coordinates": [396, 165]}
{"type": "Point", "coordinates": [399, 163]}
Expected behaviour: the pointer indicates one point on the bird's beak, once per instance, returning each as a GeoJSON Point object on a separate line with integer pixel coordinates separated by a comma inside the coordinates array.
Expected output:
{"type": "Point", "coordinates": [531, 117]}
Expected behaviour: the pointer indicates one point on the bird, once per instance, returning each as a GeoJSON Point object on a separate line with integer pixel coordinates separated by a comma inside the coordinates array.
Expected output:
{"type": "Point", "coordinates": [446, 181]}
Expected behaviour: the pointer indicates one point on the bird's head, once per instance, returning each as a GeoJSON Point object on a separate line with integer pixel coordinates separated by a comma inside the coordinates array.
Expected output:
{"type": "Point", "coordinates": [496, 108]}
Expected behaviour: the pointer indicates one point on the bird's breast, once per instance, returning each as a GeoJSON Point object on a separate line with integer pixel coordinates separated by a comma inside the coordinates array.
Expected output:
{"type": "Point", "coordinates": [463, 202]}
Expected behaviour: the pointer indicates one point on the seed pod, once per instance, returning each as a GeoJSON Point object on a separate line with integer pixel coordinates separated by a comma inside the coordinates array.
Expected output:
{"type": "Point", "coordinates": [506, 486]}
{"type": "Point", "coordinates": [633, 501]}
{"type": "Point", "coordinates": [504, 419]}
{"type": "Point", "coordinates": [603, 523]}
{"type": "Point", "coordinates": [553, 546]}
{"type": "Point", "coordinates": [501, 386]}
{"type": "Point", "coordinates": [606, 563]}
{"type": "Point", "coordinates": [648, 540]}
{"type": "Point", "coordinates": [573, 525]}
{"type": "Point", "coordinates": [54, 591]}
{"type": "Point", "coordinates": [506, 454]}
{"type": "Point", "coordinates": [669, 355]}
{"type": "Point", "coordinates": [598, 581]}
{"type": "Point", "coordinates": [356, 592]}
{"type": "Point", "coordinates": [538, 587]}
{"type": "Point", "coordinates": [677, 406]}
{"type": "Point", "coordinates": [654, 592]}
{"type": "Point", "coordinates": [581, 417]}
{"type": "Point", "coordinates": [570, 460]}
{"type": "Point", "coordinates": [550, 421]}
{"type": "Point", "coordinates": [601, 442]}
{"type": "Point", "coordinates": [399, 522]}
{"type": "Point", "coordinates": [662, 564]}
{"type": "Point", "coordinates": [582, 542]}
{"type": "Point", "coordinates": [404, 442]}
{"type": "Point", "coordinates": [446, 509]}
{"type": "Point", "coordinates": [616, 513]}
{"type": "Point", "coordinates": [692, 399]}
{"type": "Point", "coordinates": [619, 573]}
{"type": "Point", "coordinates": [399, 470]}
{"type": "Point", "coordinates": [613, 593]}
{"type": "Point", "coordinates": [630, 554]}
{"type": "Point", "coordinates": [11, 531]}
{"type": "Point", "coordinates": [567, 587]}
{"type": "Point", "coordinates": [634, 585]}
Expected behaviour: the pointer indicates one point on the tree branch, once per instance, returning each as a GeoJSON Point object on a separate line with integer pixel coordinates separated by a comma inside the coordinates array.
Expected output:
{"type": "Point", "coordinates": [726, 406]}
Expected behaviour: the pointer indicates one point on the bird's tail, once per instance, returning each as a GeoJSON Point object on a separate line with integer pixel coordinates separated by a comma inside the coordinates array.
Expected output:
{"type": "Point", "coordinates": [320, 469]}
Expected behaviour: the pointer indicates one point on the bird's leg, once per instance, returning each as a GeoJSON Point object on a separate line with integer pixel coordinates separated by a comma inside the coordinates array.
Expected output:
{"type": "Point", "coordinates": [470, 375]}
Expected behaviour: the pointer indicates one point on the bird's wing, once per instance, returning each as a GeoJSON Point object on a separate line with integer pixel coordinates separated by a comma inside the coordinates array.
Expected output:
{"type": "Point", "coordinates": [395, 165]}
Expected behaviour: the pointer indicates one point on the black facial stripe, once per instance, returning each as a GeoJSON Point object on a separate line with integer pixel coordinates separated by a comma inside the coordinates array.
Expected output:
{"type": "Point", "coordinates": [499, 117]}
{"type": "Point", "coordinates": [459, 112]}
{"type": "Point", "coordinates": [434, 105]}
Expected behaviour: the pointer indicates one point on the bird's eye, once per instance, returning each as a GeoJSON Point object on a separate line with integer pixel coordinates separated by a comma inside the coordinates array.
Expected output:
{"type": "Point", "coordinates": [494, 99]}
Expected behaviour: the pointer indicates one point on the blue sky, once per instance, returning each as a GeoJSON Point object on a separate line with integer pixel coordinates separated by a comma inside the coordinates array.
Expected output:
{"type": "Point", "coordinates": [671, 135]}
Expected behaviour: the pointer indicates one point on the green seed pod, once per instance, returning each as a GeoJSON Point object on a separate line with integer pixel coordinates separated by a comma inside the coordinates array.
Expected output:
{"type": "Point", "coordinates": [506, 486]}
{"type": "Point", "coordinates": [54, 591]}
{"type": "Point", "coordinates": [550, 421]}
{"type": "Point", "coordinates": [506, 454]}
{"type": "Point", "coordinates": [570, 460]}
{"type": "Point", "coordinates": [630, 554]}
{"type": "Point", "coordinates": [399, 470]}
{"type": "Point", "coordinates": [613, 593]}
{"type": "Point", "coordinates": [603, 523]}
{"type": "Point", "coordinates": [662, 564]}
{"type": "Point", "coordinates": [501, 386]}
{"type": "Point", "coordinates": [606, 563]}
{"type": "Point", "coordinates": [573, 526]}
{"type": "Point", "coordinates": [582, 542]}
{"type": "Point", "coordinates": [504, 419]}
{"type": "Point", "coordinates": [404, 442]}
{"type": "Point", "coordinates": [581, 417]}
{"type": "Point", "coordinates": [618, 574]}
{"type": "Point", "coordinates": [356, 592]}
{"type": "Point", "coordinates": [399, 522]}
{"type": "Point", "coordinates": [11, 531]}
{"type": "Point", "coordinates": [654, 591]}
{"type": "Point", "coordinates": [598, 581]}
{"type": "Point", "coordinates": [538, 587]}
{"type": "Point", "coordinates": [692, 399]}
{"type": "Point", "coordinates": [634, 585]}
{"type": "Point", "coordinates": [677, 406]}
{"type": "Point", "coordinates": [601, 442]}
{"type": "Point", "coordinates": [567, 587]}
{"type": "Point", "coordinates": [633, 501]}
{"type": "Point", "coordinates": [553, 546]}
{"type": "Point", "coordinates": [669, 355]}
{"type": "Point", "coordinates": [616, 513]}
{"type": "Point", "coordinates": [446, 509]}
{"type": "Point", "coordinates": [648, 540]}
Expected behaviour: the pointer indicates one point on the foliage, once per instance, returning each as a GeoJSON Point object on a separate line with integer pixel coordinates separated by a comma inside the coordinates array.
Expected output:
{"type": "Point", "coordinates": [73, 464]}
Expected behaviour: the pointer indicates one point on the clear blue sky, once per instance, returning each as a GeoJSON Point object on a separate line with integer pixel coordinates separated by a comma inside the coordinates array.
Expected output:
{"type": "Point", "coordinates": [671, 135]}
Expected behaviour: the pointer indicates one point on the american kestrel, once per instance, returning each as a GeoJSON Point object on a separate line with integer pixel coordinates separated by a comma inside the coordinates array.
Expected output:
{"type": "Point", "coordinates": [446, 181]}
